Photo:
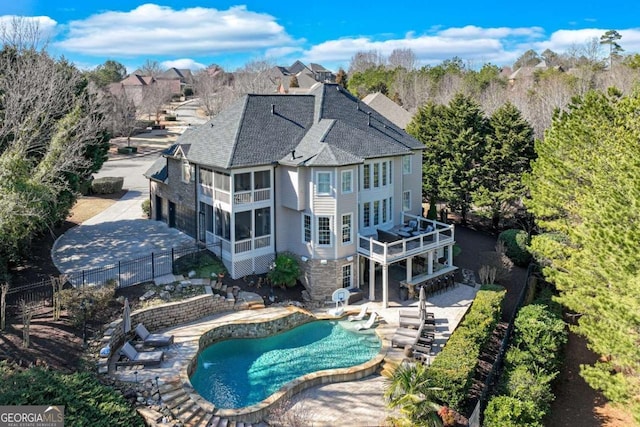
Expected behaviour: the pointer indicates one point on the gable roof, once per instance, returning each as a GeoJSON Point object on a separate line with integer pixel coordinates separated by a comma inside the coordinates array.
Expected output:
{"type": "Point", "coordinates": [392, 111]}
{"type": "Point", "coordinates": [328, 126]}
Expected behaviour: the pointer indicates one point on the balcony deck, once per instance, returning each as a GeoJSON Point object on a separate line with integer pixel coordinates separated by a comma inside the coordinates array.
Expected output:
{"type": "Point", "coordinates": [387, 247]}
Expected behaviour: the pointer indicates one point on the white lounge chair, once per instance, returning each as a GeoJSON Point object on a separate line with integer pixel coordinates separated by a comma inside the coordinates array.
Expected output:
{"type": "Point", "coordinates": [135, 357]}
{"type": "Point", "coordinates": [361, 315]}
{"type": "Point", "coordinates": [369, 323]}
{"type": "Point", "coordinates": [154, 340]}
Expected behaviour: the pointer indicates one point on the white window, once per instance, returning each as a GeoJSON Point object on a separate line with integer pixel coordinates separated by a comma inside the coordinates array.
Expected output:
{"type": "Point", "coordinates": [187, 173]}
{"type": "Point", "coordinates": [384, 210]}
{"type": "Point", "coordinates": [376, 212]}
{"type": "Point", "coordinates": [347, 228]}
{"type": "Point", "coordinates": [324, 183]}
{"type": "Point", "coordinates": [324, 231]}
{"type": "Point", "coordinates": [366, 177]}
{"type": "Point", "coordinates": [376, 175]}
{"type": "Point", "coordinates": [406, 165]}
{"type": "Point", "coordinates": [347, 275]}
{"type": "Point", "coordinates": [384, 173]}
{"type": "Point", "coordinates": [306, 228]}
{"type": "Point", "coordinates": [366, 214]}
{"type": "Point", "coordinates": [347, 182]}
{"type": "Point", "coordinates": [406, 200]}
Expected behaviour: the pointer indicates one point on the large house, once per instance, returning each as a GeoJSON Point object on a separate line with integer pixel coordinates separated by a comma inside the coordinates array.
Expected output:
{"type": "Point", "coordinates": [320, 175]}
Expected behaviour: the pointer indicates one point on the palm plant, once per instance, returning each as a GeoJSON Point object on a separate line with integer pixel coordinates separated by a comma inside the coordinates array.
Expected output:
{"type": "Point", "coordinates": [409, 390]}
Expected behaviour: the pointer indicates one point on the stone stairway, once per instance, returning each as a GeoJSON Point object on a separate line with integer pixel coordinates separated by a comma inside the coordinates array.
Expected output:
{"type": "Point", "coordinates": [184, 408]}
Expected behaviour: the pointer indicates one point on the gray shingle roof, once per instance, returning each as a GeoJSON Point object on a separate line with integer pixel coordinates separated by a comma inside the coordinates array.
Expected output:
{"type": "Point", "coordinates": [327, 127]}
{"type": "Point", "coordinates": [158, 170]}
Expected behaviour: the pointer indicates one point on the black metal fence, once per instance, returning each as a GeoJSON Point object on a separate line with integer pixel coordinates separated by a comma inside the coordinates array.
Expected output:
{"type": "Point", "coordinates": [122, 273]}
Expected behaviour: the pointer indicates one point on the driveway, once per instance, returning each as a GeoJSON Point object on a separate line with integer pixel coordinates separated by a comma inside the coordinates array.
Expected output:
{"type": "Point", "coordinates": [119, 233]}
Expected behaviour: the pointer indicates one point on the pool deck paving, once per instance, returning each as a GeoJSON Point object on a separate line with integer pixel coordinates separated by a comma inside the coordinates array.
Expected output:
{"type": "Point", "coordinates": [327, 404]}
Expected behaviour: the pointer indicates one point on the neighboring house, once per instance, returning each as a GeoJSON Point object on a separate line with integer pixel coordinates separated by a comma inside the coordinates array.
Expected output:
{"type": "Point", "coordinates": [319, 175]}
{"type": "Point", "coordinates": [392, 111]}
{"type": "Point", "coordinates": [135, 85]}
{"type": "Point", "coordinates": [307, 76]}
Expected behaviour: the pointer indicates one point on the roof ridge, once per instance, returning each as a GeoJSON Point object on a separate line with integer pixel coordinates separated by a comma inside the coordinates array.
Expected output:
{"type": "Point", "coordinates": [237, 132]}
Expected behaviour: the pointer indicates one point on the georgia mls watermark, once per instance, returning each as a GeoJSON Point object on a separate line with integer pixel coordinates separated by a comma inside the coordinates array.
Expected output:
{"type": "Point", "coordinates": [31, 416]}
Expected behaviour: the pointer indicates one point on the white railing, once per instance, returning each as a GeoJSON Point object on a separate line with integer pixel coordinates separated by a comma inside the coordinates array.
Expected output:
{"type": "Point", "coordinates": [386, 252]}
{"type": "Point", "coordinates": [262, 242]}
{"type": "Point", "coordinates": [222, 196]}
{"type": "Point", "coordinates": [240, 198]}
{"type": "Point", "coordinates": [262, 194]}
{"type": "Point", "coordinates": [243, 246]}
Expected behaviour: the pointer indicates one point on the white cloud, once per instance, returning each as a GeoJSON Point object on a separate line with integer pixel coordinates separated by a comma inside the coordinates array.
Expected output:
{"type": "Point", "coordinates": [151, 29]}
{"type": "Point", "coordinates": [183, 63]}
{"type": "Point", "coordinates": [279, 52]}
{"type": "Point", "coordinates": [45, 26]}
{"type": "Point", "coordinates": [473, 32]}
{"type": "Point", "coordinates": [428, 49]}
{"type": "Point", "coordinates": [475, 45]}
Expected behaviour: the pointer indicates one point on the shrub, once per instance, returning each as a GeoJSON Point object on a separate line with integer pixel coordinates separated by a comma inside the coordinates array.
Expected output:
{"type": "Point", "coordinates": [187, 91]}
{"type": "Point", "coordinates": [146, 208]}
{"type": "Point", "coordinates": [169, 118]}
{"type": "Point", "coordinates": [286, 270]}
{"type": "Point", "coordinates": [507, 411]}
{"type": "Point", "coordinates": [531, 384]}
{"type": "Point", "coordinates": [454, 368]}
{"type": "Point", "coordinates": [127, 150]}
{"type": "Point", "coordinates": [541, 335]}
{"type": "Point", "coordinates": [516, 242]}
{"type": "Point", "coordinates": [86, 401]}
{"type": "Point", "coordinates": [204, 263]}
{"type": "Point", "coordinates": [89, 301]}
{"type": "Point", "coordinates": [107, 185]}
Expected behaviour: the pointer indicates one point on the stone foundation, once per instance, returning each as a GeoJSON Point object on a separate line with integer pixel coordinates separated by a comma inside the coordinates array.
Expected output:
{"type": "Point", "coordinates": [321, 280]}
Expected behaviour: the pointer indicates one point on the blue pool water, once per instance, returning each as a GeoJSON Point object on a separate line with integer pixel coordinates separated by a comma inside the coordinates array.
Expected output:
{"type": "Point", "coordinates": [240, 372]}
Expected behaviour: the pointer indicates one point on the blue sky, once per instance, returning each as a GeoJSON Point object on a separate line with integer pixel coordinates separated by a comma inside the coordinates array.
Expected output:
{"type": "Point", "coordinates": [197, 33]}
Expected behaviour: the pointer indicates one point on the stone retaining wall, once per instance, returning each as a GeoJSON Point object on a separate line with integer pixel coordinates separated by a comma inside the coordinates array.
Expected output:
{"type": "Point", "coordinates": [163, 316]}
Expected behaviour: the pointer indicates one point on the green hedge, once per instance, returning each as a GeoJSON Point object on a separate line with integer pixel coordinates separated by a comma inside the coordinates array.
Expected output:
{"type": "Point", "coordinates": [107, 185]}
{"type": "Point", "coordinates": [454, 368]}
{"type": "Point", "coordinates": [86, 401]}
{"type": "Point", "coordinates": [515, 242]}
{"type": "Point", "coordinates": [531, 364]}
{"type": "Point", "coordinates": [170, 118]}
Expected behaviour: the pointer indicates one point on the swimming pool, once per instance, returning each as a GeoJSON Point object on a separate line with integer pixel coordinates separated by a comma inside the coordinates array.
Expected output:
{"type": "Point", "coordinates": [240, 372]}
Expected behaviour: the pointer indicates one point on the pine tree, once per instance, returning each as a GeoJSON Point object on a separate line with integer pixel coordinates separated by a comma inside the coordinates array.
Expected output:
{"type": "Point", "coordinates": [585, 187]}
{"type": "Point", "coordinates": [341, 78]}
{"type": "Point", "coordinates": [507, 156]}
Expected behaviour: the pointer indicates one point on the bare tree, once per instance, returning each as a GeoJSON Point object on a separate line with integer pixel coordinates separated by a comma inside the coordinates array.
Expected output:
{"type": "Point", "coordinates": [403, 58]}
{"type": "Point", "coordinates": [123, 115]}
{"type": "Point", "coordinates": [362, 61]}
{"type": "Point", "coordinates": [21, 34]}
{"type": "Point", "coordinates": [255, 77]}
{"type": "Point", "coordinates": [154, 97]}
{"type": "Point", "coordinates": [214, 88]}
{"type": "Point", "coordinates": [51, 139]}
{"type": "Point", "coordinates": [151, 68]}
{"type": "Point", "coordinates": [4, 289]}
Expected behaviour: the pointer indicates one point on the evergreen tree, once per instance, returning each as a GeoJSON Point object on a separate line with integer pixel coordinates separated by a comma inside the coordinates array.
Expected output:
{"type": "Point", "coordinates": [611, 38]}
{"type": "Point", "coordinates": [585, 187]}
{"type": "Point", "coordinates": [293, 82]}
{"type": "Point", "coordinates": [341, 77]}
{"type": "Point", "coordinates": [507, 156]}
{"type": "Point", "coordinates": [462, 131]}
{"type": "Point", "coordinates": [454, 136]}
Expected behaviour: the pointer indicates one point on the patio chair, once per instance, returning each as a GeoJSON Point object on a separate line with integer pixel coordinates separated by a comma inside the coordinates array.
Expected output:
{"type": "Point", "coordinates": [154, 340]}
{"type": "Point", "coordinates": [361, 315]}
{"type": "Point", "coordinates": [369, 323]}
{"type": "Point", "coordinates": [135, 357]}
